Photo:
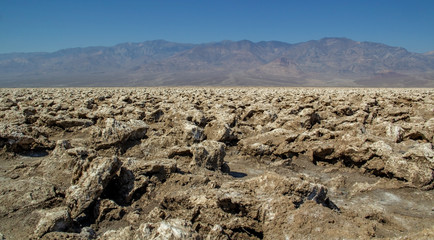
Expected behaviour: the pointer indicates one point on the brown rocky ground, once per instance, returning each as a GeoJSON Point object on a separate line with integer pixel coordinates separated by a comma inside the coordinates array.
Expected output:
{"type": "Point", "coordinates": [216, 163]}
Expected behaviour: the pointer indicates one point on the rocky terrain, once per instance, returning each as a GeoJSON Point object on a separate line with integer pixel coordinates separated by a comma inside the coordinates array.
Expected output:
{"type": "Point", "coordinates": [216, 163]}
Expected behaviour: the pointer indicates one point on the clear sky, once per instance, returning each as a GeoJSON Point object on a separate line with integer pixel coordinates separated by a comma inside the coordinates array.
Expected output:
{"type": "Point", "coordinates": [50, 25]}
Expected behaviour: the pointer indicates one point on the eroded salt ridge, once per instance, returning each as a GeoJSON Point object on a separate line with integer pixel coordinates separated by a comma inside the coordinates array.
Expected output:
{"type": "Point", "coordinates": [216, 163]}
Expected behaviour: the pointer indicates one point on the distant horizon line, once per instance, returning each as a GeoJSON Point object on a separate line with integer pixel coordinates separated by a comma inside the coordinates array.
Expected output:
{"type": "Point", "coordinates": [210, 42]}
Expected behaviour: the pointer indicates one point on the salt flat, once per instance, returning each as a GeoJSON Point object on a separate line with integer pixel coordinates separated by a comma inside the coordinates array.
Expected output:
{"type": "Point", "coordinates": [216, 163]}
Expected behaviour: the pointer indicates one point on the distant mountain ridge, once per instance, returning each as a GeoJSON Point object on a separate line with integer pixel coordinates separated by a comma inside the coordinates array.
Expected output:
{"type": "Point", "coordinates": [324, 62]}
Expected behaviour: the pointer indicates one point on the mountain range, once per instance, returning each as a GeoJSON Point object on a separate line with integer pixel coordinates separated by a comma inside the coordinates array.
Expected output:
{"type": "Point", "coordinates": [324, 62]}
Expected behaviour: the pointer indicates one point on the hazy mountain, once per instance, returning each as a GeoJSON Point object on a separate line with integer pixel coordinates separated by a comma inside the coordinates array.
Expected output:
{"type": "Point", "coordinates": [335, 60]}
{"type": "Point", "coordinates": [325, 62]}
{"type": "Point", "coordinates": [430, 53]}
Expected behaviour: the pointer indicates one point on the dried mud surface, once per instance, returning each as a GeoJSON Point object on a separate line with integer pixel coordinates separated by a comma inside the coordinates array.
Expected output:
{"type": "Point", "coordinates": [216, 163]}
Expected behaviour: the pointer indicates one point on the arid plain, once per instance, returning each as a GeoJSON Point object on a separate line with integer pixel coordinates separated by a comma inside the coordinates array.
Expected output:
{"type": "Point", "coordinates": [216, 163]}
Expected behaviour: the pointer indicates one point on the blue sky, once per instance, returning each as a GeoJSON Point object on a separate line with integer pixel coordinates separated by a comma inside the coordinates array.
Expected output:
{"type": "Point", "coordinates": [50, 25]}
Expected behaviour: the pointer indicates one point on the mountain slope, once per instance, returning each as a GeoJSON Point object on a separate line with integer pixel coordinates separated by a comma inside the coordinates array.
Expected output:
{"type": "Point", "coordinates": [90, 59]}
{"type": "Point", "coordinates": [325, 62]}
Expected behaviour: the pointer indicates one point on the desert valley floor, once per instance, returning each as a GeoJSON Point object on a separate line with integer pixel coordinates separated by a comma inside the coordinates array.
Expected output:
{"type": "Point", "coordinates": [216, 163]}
